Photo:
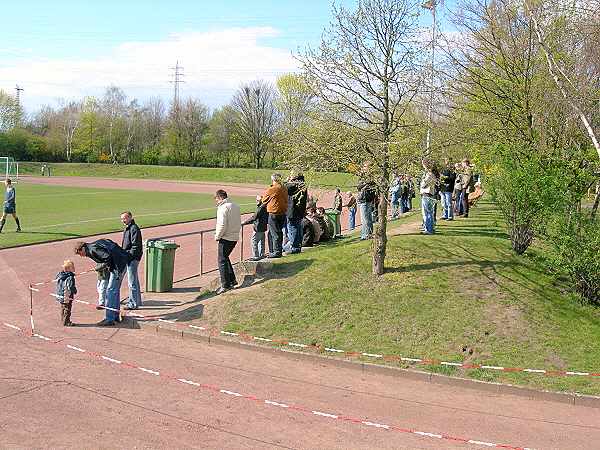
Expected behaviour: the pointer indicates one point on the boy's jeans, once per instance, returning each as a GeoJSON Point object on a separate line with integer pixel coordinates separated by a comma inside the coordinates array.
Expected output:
{"type": "Point", "coordinates": [366, 217]}
{"type": "Point", "coordinates": [258, 244]}
{"type": "Point", "coordinates": [351, 218]}
{"type": "Point", "coordinates": [101, 286]}
{"type": "Point", "coordinates": [133, 280]}
{"type": "Point", "coordinates": [447, 205]}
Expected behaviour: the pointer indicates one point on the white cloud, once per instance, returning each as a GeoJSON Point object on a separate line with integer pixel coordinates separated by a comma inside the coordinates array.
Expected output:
{"type": "Point", "coordinates": [215, 64]}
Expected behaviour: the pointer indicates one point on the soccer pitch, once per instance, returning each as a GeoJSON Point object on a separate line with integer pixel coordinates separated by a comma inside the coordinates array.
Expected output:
{"type": "Point", "coordinates": [52, 213]}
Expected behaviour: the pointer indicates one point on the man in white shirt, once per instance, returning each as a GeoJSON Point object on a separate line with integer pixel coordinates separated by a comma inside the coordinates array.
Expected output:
{"type": "Point", "coordinates": [227, 233]}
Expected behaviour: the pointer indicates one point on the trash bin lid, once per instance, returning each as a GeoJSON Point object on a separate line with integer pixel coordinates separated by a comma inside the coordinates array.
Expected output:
{"type": "Point", "coordinates": [159, 243]}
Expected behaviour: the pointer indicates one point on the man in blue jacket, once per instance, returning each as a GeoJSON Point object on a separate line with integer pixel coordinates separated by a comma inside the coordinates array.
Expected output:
{"type": "Point", "coordinates": [108, 252]}
{"type": "Point", "coordinates": [132, 244]}
{"type": "Point", "coordinates": [10, 205]}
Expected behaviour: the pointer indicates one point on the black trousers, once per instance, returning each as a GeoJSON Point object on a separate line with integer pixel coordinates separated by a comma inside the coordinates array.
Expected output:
{"type": "Point", "coordinates": [276, 222]}
{"type": "Point", "coordinates": [225, 267]}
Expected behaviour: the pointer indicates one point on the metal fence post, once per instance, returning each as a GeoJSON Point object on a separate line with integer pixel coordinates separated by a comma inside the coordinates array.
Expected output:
{"type": "Point", "coordinates": [201, 254]}
{"type": "Point", "coordinates": [242, 248]}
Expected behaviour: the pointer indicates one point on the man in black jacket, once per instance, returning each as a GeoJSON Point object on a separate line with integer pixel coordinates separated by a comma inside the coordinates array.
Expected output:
{"type": "Point", "coordinates": [447, 179]}
{"type": "Point", "coordinates": [105, 251]}
{"type": "Point", "coordinates": [297, 198]}
{"type": "Point", "coordinates": [132, 244]}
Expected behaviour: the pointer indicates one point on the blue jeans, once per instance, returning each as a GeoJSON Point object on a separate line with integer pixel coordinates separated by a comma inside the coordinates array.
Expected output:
{"type": "Point", "coordinates": [113, 294]}
{"type": "Point", "coordinates": [133, 280]}
{"type": "Point", "coordinates": [459, 203]}
{"type": "Point", "coordinates": [351, 219]}
{"type": "Point", "coordinates": [294, 233]}
{"type": "Point", "coordinates": [427, 209]}
{"type": "Point", "coordinates": [447, 205]}
{"type": "Point", "coordinates": [366, 216]}
{"type": "Point", "coordinates": [258, 244]}
{"type": "Point", "coordinates": [101, 286]}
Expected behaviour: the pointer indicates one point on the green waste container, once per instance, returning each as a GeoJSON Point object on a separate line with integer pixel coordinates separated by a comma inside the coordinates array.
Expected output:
{"type": "Point", "coordinates": [334, 219]}
{"type": "Point", "coordinates": [160, 265]}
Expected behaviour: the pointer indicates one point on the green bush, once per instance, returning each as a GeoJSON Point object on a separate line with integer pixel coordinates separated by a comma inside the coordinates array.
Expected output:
{"type": "Point", "coordinates": [576, 245]}
{"type": "Point", "coordinates": [527, 193]}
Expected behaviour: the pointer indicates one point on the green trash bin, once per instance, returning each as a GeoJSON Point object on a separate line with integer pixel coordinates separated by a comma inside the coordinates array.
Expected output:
{"type": "Point", "coordinates": [160, 265]}
{"type": "Point", "coordinates": [334, 218]}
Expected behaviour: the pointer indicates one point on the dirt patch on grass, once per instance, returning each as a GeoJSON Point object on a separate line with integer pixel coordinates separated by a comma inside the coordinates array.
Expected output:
{"type": "Point", "coordinates": [508, 320]}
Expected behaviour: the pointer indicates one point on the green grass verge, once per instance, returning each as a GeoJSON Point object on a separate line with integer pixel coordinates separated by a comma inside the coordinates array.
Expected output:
{"type": "Point", "coordinates": [204, 174]}
{"type": "Point", "coordinates": [460, 289]}
{"type": "Point", "coordinates": [51, 213]}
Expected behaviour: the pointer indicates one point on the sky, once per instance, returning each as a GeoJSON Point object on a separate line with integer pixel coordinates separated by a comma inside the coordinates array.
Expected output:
{"type": "Point", "coordinates": [69, 49]}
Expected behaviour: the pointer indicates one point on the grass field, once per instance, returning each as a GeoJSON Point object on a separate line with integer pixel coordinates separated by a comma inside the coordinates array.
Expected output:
{"type": "Point", "coordinates": [51, 213]}
{"type": "Point", "coordinates": [244, 176]}
{"type": "Point", "coordinates": [443, 297]}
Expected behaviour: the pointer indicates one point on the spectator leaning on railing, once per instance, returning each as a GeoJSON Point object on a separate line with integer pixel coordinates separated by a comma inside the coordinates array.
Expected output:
{"type": "Point", "coordinates": [227, 233]}
{"type": "Point", "coordinates": [276, 199]}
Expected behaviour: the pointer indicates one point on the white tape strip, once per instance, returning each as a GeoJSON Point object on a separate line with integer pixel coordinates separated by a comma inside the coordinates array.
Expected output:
{"type": "Point", "coordinates": [235, 394]}
{"type": "Point", "coordinates": [165, 320]}
{"type": "Point", "coordinates": [77, 349]}
{"type": "Point", "coordinates": [227, 333]}
{"type": "Point", "coordinates": [14, 327]}
{"type": "Point", "coordinates": [151, 372]}
{"type": "Point", "coordinates": [116, 361]}
{"type": "Point", "coordinates": [183, 380]}
{"type": "Point", "coordinates": [422, 433]}
{"type": "Point", "coordinates": [376, 425]}
{"type": "Point", "coordinates": [322, 414]}
{"type": "Point", "coordinates": [281, 405]}
{"type": "Point", "coordinates": [263, 339]}
{"type": "Point", "coordinates": [334, 350]}
{"type": "Point", "coordinates": [196, 328]}
{"type": "Point", "coordinates": [294, 344]}
{"type": "Point", "coordinates": [372, 355]}
{"type": "Point", "coordinates": [487, 444]}
{"type": "Point", "coordinates": [492, 367]}
{"type": "Point", "coordinates": [39, 336]}
{"type": "Point", "coordinates": [34, 289]}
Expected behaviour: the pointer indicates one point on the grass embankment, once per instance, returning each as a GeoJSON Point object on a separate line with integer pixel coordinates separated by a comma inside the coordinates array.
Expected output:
{"type": "Point", "coordinates": [203, 174]}
{"type": "Point", "coordinates": [52, 213]}
{"type": "Point", "coordinates": [442, 297]}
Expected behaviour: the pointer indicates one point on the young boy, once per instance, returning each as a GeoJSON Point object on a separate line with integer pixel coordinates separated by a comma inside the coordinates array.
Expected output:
{"type": "Point", "coordinates": [65, 291]}
{"type": "Point", "coordinates": [10, 205]}
{"type": "Point", "coordinates": [259, 219]}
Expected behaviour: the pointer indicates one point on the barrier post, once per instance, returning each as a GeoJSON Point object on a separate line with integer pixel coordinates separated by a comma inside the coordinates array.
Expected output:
{"type": "Point", "coordinates": [201, 254]}
{"type": "Point", "coordinates": [31, 308]}
{"type": "Point", "coordinates": [242, 248]}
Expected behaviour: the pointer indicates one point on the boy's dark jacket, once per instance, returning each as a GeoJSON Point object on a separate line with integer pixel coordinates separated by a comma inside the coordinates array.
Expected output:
{"type": "Point", "coordinates": [65, 281]}
{"type": "Point", "coordinates": [259, 218]}
{"type": "Point", "coordinates": [108, 252]}
{"type": "Point", "coordinates": [297, 198]}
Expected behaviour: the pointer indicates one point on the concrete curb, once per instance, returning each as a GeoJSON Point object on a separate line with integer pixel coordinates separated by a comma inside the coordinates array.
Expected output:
{"type": "Point", "coordinates": [366, 368]}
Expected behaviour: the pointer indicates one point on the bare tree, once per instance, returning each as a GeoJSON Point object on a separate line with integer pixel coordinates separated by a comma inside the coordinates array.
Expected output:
{"type": "Point", "coordinates": [70, 115]}
{"type": "Point", "coordinates": [9, 111]}
{"type": "Point", "coordinates": [367, 72]}
{"type": "Point", "coordinates": [257, 118]}
{"type": "Point", "coordinates": [114, 107]}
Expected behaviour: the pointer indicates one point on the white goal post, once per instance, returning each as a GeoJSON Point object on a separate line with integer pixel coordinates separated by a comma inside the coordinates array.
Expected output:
{"type": "Point", "coordinates": [9, 168]}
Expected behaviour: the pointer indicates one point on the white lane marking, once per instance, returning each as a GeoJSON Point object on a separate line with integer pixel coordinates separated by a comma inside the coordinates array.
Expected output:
{"type": "Point", "coordinates": [185, 211]}
{"type": "Point", "coordinates": [183, 380]}
{"type": "Point", "coordinates": [152, 372]}
{"type": "Point", "coordinates": [34, 289]}
{"type": "Point", "coordinates": [77, 349]}
{"type": "Point", "coordinates": [322, 414]}
{"type": "Point", "coordinates": [235, 394]}
{"type": "Point", "coordinates": [281, 405]}
{"type": "Point", "coordinates": [197, 328]}
{"type": "Point", "coordinates": [116, 361]}
{"type": "Point", "coordinates": [136, 315]}
{"type": "Point", "coordinates": [14, 327]}
{"type": "Point", "coordinates": [376, 425]}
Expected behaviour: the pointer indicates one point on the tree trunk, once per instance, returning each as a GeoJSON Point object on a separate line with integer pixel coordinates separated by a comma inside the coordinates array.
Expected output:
{"type": "Point", "coordinates": [380, 231]}
{"type": "Point", "coordinates": [596, 204]}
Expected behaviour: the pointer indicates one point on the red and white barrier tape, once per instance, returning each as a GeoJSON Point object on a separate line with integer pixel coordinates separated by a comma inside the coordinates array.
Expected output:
{"type": "Point", "coordinates": [352, 354]}
{"type": "Point", "coordinates": [276, 404]}
{"type": "Point", "coordinates": [42, 283]}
